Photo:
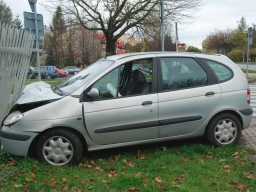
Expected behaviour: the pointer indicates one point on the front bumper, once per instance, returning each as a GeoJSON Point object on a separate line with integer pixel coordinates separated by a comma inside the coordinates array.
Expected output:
{"type": "Point", "coordinates": [16, 142]}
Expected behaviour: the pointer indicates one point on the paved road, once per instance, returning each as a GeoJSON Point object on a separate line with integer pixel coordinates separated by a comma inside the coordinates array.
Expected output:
{"type": "Point", "coordinates": [253, 98]}
{"type": "Point", "coordinates": [244, 66]}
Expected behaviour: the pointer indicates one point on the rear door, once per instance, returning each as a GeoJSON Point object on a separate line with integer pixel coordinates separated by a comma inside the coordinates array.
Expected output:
{"type": "Point", "coordinates": [188, 94]}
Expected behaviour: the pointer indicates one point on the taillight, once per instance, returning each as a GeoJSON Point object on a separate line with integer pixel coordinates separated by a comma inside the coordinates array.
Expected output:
{"type": "Point", "coordinates": [248, 96]}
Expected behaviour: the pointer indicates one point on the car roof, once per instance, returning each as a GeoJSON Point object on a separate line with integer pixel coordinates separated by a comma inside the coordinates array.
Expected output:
{"type": "Point", "coordinates": [165, 53]}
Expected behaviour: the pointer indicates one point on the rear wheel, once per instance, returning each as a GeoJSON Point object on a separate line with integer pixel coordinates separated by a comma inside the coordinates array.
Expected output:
{"type": "Point", "coordinates": [49, 76]}
{"type": "Point", "coordinates": [59, 147]}
{"type": "Point", "coordinates": [224, 129]}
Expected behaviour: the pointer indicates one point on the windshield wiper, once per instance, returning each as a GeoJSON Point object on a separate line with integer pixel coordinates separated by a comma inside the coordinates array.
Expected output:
{"type": "Point", "coordinates": [55, 87]}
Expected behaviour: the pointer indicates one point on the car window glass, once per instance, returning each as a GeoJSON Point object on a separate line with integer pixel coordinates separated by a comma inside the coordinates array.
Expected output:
{"type": "Point", "coordinates": [132, 78]}
{"type": "Point", "coordinates": [108, 85]}
{"type": "Point", "coordinates": [145, 66]}
{"type": "Point", "coordinates": [137, 77]}
{"type": "Point", "coordinates": [182, 73]}
{"type": "Point", "coordinates": [222, 72]}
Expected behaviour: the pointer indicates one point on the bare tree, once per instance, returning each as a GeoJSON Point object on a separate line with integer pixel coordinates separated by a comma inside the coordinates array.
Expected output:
{"type": "Point", "coordinates": [115, 17]}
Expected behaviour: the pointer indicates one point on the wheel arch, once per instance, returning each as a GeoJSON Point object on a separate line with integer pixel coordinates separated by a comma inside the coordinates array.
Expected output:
{"type": "Point", "coordinates": [222, 112]}
{"type": "Point", "coordinates": [32, 146]}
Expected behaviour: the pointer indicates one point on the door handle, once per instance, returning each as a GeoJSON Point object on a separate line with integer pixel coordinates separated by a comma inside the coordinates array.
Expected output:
{"type": "Point", "coordinates": [147, 103]}
{"type": "Point", "coordinates": [211, 93]}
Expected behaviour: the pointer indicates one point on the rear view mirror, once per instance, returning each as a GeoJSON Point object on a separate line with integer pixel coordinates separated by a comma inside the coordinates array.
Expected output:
{"type": "Point", "coordinates": [94, 93]}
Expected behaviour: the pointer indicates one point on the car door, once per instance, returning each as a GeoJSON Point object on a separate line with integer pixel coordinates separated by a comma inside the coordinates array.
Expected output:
{"type": "Point", "coordinates": [188, 94]}
{"type": "Point", "coordinates": [115, 118]}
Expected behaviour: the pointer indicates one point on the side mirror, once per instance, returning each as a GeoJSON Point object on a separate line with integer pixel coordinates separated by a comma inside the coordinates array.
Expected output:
{"type": "Point", "coordinates": [94, 93]}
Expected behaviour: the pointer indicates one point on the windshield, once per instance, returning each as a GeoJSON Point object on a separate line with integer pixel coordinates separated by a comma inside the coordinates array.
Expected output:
{"type": "Point", "coordinates": [82, 77]}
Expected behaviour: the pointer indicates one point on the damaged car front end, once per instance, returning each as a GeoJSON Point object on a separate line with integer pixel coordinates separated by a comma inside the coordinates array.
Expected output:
{"type": "Point", "coordinates": [42, 110]}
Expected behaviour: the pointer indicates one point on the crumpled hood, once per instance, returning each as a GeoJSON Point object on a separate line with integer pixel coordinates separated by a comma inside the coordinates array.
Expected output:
{"type": "Point", "coordinates": [36, 92]}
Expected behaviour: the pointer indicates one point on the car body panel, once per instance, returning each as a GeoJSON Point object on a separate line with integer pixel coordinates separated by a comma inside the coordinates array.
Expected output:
{"type": "Point", "coordinates": [127, 111]}
{"type": "Point", "coordinates": [189, 104]}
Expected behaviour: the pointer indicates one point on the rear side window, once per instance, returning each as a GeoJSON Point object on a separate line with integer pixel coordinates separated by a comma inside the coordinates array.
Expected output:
{"type": "Point", "coordinates": [222, 72]}
{"type": "Point", "coordinates": [182, 73]}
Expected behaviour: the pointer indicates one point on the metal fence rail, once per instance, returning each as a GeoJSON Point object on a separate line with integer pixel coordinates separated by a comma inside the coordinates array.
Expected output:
{"type": "Point", "coordinates": [15, 53]}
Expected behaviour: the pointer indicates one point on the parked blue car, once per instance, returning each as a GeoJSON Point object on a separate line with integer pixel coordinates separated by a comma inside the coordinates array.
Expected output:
{"type": "Point", "coordinates": [52, 71]}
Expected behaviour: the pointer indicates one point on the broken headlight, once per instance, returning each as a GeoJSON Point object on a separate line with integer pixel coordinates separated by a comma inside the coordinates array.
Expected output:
{"type": "Point", "coordinates": [13, 117]}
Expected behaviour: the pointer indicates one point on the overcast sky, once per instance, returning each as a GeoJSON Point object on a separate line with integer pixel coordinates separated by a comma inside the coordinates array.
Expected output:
{"type": "Point", "coordinates": [215, 15]}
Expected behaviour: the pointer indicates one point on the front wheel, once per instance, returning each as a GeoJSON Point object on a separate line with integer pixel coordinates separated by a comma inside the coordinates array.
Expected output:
{"type": "Point", "coordinates": [49, 76]}
{"type": "Point", "coordinates": [224, 129]}
{"type": "Point", "coordinates": [59, 147]}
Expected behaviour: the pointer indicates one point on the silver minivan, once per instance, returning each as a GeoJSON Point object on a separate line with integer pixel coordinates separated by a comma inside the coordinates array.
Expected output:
{"type": "Point", "coordinates": [130, 99]}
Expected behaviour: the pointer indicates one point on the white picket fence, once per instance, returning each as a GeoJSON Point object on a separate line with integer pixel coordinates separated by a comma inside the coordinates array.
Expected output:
{"type": "Point", "coordinates": [15, 53]}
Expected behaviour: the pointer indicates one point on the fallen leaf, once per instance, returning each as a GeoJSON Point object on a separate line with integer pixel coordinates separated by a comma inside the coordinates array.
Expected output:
{"type": "Point", "coordinates": [42, 190]}
{"type": "Point", "coordinates": [32, 175]}
{"type": "Point", "coordinates": [158, 180]}
{"type": "Point", "coordinates": [226, 166]}
{"type": "Point", "coordinates": [75, 176]}
{"type": "Point", "coordinates": [98, 169]}
{"type": "Point", "coordinates": [174, 184]}
{"type": "Point", "coordinates": [163, 188]}
{"type": "Point", "coordinates": [122, 168]}
{"type": "Point", "coordinates": [132, 189]}
{"type": "Point", "coordinates": [241, 187]}
{"type": "Point", "coordinates": [227, 171]}
{"type": "Point", "coordinates": [235, 154]}
{"type": "Point", "coordinates": [25, 189]}
{"type": "Point", "coordinates": [128, 162]}
{"type": "Point", "coordinates": [65, 180]}
{"type": "Point", "coordinates": [164, 148]}
{"type": "Point", "coordinates": [83, 182]}
{"type": "Point", "coordinates": [249, 175]}
{"type": "Point", "coordinates": [112, 171]}
{"type": "Point", "coordinates": [143, 157]}
{"type": "Point", "coordinates": [234, 182]}
{"type": "Point", "coordinates": [65, 188]}
{"type": "Point", "coordinates": [137, 173]}
{"type": "Point", "coordinates": [52, 182]}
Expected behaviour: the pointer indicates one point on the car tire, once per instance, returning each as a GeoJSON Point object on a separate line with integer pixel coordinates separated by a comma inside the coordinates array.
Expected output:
{"type": "Point", "coordinates": [59, 147]}
{"type": "Point", "coordinates": [49, 77]}
{"type": "Point", "coordinates": [36, 76]}
{"type": "Point", "coordinates": [223, 129]}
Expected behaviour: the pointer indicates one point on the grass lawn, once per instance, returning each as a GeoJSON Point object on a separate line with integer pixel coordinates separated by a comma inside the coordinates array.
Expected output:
{"type": "Point", "coordinates": [249, 71]}
{"type": "Point", "coordinates": [174, 166]}
{"type": "Point", "coordinates": [52, 82]}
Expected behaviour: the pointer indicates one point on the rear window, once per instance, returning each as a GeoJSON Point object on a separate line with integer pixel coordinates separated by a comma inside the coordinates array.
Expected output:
{"type": "Point", "coordinates": [222, 72]}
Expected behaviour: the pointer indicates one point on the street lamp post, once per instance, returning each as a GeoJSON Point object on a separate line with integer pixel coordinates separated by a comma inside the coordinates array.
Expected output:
{"type": "Point", "coordinates": [162, 21]}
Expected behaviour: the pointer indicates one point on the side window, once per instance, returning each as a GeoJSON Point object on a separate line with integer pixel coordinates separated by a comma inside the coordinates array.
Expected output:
{"type": "Point", "coordinates": [182, 73]}
{"type": "Point", "coordinates": [108, 85]}
{"type": "Point", "coordinates": [222, 72]}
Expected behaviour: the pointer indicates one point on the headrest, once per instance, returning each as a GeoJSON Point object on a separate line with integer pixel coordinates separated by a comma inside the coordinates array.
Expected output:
{"type": "Point", "coordinates": [138, 77]}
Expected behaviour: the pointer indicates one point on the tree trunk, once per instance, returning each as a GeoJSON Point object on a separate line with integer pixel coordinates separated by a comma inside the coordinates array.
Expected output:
{"type": "Point", "coordinates": [110, 45]}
